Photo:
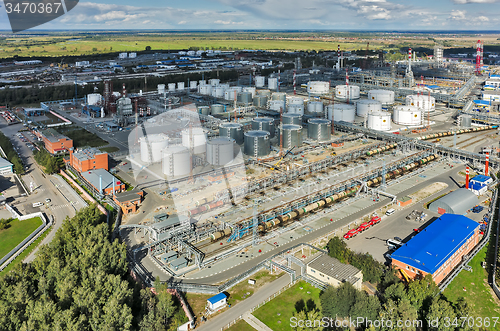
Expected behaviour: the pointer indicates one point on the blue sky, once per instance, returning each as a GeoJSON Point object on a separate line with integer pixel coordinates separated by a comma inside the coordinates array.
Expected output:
{"type": "Point", "coordinates": [279, 14]}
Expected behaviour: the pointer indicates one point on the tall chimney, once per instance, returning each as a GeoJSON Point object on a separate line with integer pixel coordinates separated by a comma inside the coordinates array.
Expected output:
{"type": "Point", "coordinates": [409, 60]}
{"type": "Point", "coordinates": [487, 164]}
{"type": "Point", "coordinates": [124, 91]}
{"type": "Point", "coordinates": [467, 177]}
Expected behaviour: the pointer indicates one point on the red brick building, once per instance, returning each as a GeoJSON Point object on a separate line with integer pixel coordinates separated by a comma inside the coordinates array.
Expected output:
{"type": "Point", "coordinates": [88, 159]}
{"type": "Point", "coordinates": [55, 142]}
{"type": "Point", "coordinates": [129, 201]}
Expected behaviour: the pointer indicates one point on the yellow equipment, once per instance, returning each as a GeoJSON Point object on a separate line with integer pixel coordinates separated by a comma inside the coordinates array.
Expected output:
{"type": "Point", "coordinates": [276, 165]}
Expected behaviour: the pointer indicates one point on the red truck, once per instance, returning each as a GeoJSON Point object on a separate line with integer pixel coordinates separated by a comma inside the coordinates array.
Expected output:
{"type": "Point", "coordinates": [364, 226]}
{"type": "Point", "coordinates": [351, 234]}
{"type": "Point", "coordinates": [374, 220]}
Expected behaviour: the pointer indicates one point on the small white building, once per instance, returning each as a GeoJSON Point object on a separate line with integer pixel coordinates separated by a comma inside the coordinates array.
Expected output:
{"type": "Point", "coordinates": [331, 271]}
{"type": "Point", "coordinates": [216, 302]}
{"type": "Point", "coordinates": [5, 167]}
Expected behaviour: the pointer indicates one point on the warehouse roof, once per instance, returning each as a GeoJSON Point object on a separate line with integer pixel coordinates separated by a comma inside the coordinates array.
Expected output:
{"type": "Point", "coordinates": [87, 153]}
{"type": "Point", "coordinates": [53, 136]}
{"type": "Point", "coordinates": [334, 268]}
{"type": "Point", "coordinates": [482, 179]}
{"type": "Point", "coordinates": [4, 163]}
{"type": "Point", "coordinates": [434, 245]}
{"type": "Point", "coordinates": [216, 298]}
{"type": "Point", "coordinates": [105, 181]}
{"type": "Point", "coordinates": [456, 202]}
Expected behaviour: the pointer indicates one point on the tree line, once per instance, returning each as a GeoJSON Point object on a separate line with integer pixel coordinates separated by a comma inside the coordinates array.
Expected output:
{"type": "Point", "coordinates": [80, 281]}
{"type": "Point", "coordinates": [11, 154]}
{"type": "Point", "coordinates": [50, 163]}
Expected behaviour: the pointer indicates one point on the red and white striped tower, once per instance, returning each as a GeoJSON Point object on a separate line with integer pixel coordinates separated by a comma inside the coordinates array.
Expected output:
{"type": "Point", "coordinates": [339, 56]}
{"type": "Point", "coordinates": [294, 82]}
{"type": "Point", "coordinates": [487, 164]}
{"type": "Point", "coordinates": [478, 57]}
{"type": "Point", "coordinates": [409, 59]}
{"type": "Point", "coordinates": [467, 177]}
{"type": "Point", "coordinates": [347, 84]}
{"type": "Point", "coordinates": [481, 61]}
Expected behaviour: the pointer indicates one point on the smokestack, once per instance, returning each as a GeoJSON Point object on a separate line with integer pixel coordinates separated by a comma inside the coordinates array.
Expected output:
{"type": "Point", "coordinates": [467, 177]}
{"type": "Point", "coordinates": [409, 59]}
{"type": "Point", "coordinates": [487, 164]}
{"type": "Point", "coordinates": [124, 92]}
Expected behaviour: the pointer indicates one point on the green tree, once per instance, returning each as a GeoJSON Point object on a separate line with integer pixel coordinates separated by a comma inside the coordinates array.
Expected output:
{"type": "Point", "coordinates": [399, 311]}
{"type": "Point", "coordinates": [365, 306]}
{"type": "Point", "coordinates": [421, 292]}
{"type": "Point", "coordinates": [148, 48]}
{"type": "Point", "coordinates": [441, 311]}
{"type": "Point", "coordinates": [337, 302]}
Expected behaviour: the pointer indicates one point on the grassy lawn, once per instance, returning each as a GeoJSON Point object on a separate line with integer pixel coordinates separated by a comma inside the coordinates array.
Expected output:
{"type": "Point", "coordinates": [478, 293]}
{"type": "Point", "coordinates": [82, 137]}
{"type": "Point", "coordinates": [197, 302]}
{"type": "Point", "coordinates": [241, 325]}
{"type": "Point", "coordinates": [243, 290]}
{"type": "Point", "coordinates": [110, 149]}
{"type": "Point", "coordinates": [284, 305]}
{"type": "Point", "coordinates": [25, 253]}
{"type": "Point", "coordinates": [11, 237]}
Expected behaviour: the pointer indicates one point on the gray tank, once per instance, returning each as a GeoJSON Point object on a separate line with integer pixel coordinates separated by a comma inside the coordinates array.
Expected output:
{"type": "Point", "coordinates": [260, 101]}
{"type": "Point", "coordinates": [319, 129]}
{"type": "Point", "coordinates": [466, 121]}
{"type": "Point", "coordinates": [257, 143]}
{"type": "Point", "coordinates": [220, 151]}
{"type": "Point", "coordinates": [204, 110]}
{"type": "Point", "coordinates": [278, 96]}
{"type": "Point", "coordinates": [217, 108]}
{"type": "Point", "coordinates": [292, 135]}
{"type": "Point", "coordinates": [292, 119]}
{"type": "Point", "coordinates": [263, 124]}
{"type": "Point", "coordinates": [233, 131]}
{"type": "Point", "coordinates": [245, 98]}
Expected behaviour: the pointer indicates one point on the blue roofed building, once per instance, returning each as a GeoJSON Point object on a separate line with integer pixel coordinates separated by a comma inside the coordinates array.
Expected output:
{"type": "Point", "coordinates": [216, 302]}
{"type": "Point", "coordinates": [437, 249]}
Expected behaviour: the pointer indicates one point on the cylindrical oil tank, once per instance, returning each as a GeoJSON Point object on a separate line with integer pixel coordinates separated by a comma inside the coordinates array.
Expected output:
{"type": "Point", "coordinates": [251, 89]}
{"type": "Point", "coordinates": [315, 107]}
{"type": "Point", "coordinates": [95, 98]}
{"type": "Point", "coordinates": [295, 101]}
{"type": "Point", "coordinates": [295, 109]}
{"type": "Point", "coordinates": [171, 87]}
{"type": "Point", "coordinates": [217, 108]}
{"type": "Point", "coordinates": [385, 97]}
{"type": "Point", "coordinates": [181, 86]}
{"type": "Point", "coordinates": [205, 89]}
{"type": "Point", "coordinates": [292, 119]}
{"type": "Point", "coordinates": [204, 110]}
{"type": "Point", "coordinates": [202, 82]}
{"type": "Point", "coordinates": [278, 96]}
{"type": "Point", "coordinates": [407, 115]}
{"type": "Point", "coordinates": [380, 121]}
{"type": "Point", "coordinates": [272, 83]}
{"type": "Point", "coordinates": [277, 105]}
{"type": "Point", "coordinates": [292, 135]}
{"type": "Point", "coordinates": [199, 140]}
{"type": "Point", "coordinates": [260, 101]}
{"type": "Point", "coordinates": [344, 92]}
{"type": "Point", "coordinates": [365, 106]}
{"type": "Point", "coordinates": [465, 121]}
{"type": "Point", "coordinates": [152, 147]}
{"type": "Point", "coordinates": [193, 84]}
{"type": "Point", "coordinates": [424, 102]}
{"type": "Point", "coordinates": [264, 92]}
{"type": "Point", "coordinates": [263, 124]}
{"type": "Point", "coordinates": [214, 82]}
{"type": "Point", "coordinates": [176, 161]}
{"type": "Point", "coordinates": [319, 129]}
{"type": "Point", "coordinates": [257, 143]}
{"type": "Point", "coordinates": [245, 98]}
{"type": "Point", "coordinates": [220, 151]}
{"type": "Point", "coordinates": [318, 87]}
{"type": "Point", "coordinates": [232, 92]}
{"type": "Point", "coordinates": [342, 112]}
{"type": "Point", "coordinates": [233, 131]}
{"type": "Point", "coordinates": [218, 91]}
{"type": "Point", "coordinates": [161, 88]}
{"type": "Point", "coordinates": [260, 81]}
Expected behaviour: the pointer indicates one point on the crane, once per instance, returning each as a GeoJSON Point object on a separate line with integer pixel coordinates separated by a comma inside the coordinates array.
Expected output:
{"type": "Point", "coordinates": [276, 165]}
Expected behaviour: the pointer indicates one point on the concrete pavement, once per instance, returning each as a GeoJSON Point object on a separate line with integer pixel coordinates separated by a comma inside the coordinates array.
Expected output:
{"type": "Point", "coordinates": [255, 322]}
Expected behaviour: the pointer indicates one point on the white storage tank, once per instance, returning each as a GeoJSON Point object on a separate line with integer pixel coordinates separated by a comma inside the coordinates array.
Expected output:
{"type": "Point", "coordinates": [152, 146]}
{"type": "Point", "coordinates": [272, 83]}
{"type": "Point", "coordinates": [214, 82]}
{"type": "Point", "coordinates": [260, 101]}
{"type": "Point", "coordinates": [342, 112]}
{"type": "Point", "coordinates": [424, 102]}
{"type": "Point", "coordinates": [276, 105]}
{"type": "Point", "coordinates": [205, 89]}
{"type": "Point", "coordinates": [318, 88]}
{"type": "Point", "coordinates": [341, 92]}
{"type": "Point", "coordinates": [363, 107]}
{"type": "Point", "coordinates": [176, 161]}
{"type": "Point", "coordinates": [198, 137]}
{"type": "Point", "coordinates": [95, 98]}
{"type": "Point", "coordinates": [230, 93]}
{"type": "Point", "coordinates": [260, 81]}
{"type": "Point", "coordinates": [278, 96]}
{"type": "Point", "coordinates": [252, 90]}
{"type": "Point", "coordinates": [220, 151]}
{"type": "Point", "coordinates": [407, 115]}
{"type": "Point", "coordinates": [171, 87]}
{"type": "Point", "coordinates": [385, 97]}
{"type": "Point", "coordinates": [245, 98]}
{"type": "Point", "coordinates": [218, 92]}
{"type": "Point", "coordinates": [295, 109]}
{"type": "Point", "coordinates": [202, 82]}
{"type": "Point", "coordinates": [315, 107]}
{"type": "Point", "coordinates": [267, 93]}
{"type": "Point", "coordinates": [193, 84]}
{"type": "Point", "coordinates": [161, 88]}
{"type": "Point", "coordinates": [379, 121]}
{"type": "Point", "coordinates": [217, 108]}
{"type": "Point", "coordinates": [181, 86]}
{"type": "Point", "coordinates": [294, 101]}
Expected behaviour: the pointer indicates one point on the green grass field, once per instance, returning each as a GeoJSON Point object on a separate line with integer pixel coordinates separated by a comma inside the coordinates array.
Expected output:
{"type": "Point", "coordinates": [284, 305]}
{"type": "Point", "coordinates": [82, 137]}
{"type": "Point", "coordinates": [241, 325]}
{"type": "Point", "coordinates": [11, 237]}
{"type": "Point", "coordinates": [478, 293]}
{"type": "Point", "coordinates": [110, 149]}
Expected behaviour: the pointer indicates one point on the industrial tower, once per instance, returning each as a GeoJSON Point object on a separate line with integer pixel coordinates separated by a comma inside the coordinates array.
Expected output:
{"type": "Point", "coordinates": [479, 57]}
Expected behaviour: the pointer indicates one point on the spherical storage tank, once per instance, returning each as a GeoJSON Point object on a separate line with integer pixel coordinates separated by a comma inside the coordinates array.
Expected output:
{"type": "Point", "coordinates": [260, 81]}
{"type": "Point", "coordinates": [277, 105]}
{"type": "Point", "coordinates": [152, 146]}
{"type": "Point", "coordinates": [263, 124]}
{"type": "Point", "coordinates": [380, 121]}
{"type": "Point", "coordinates": [176, 161]}
{"type": "Point", "coordinates": [385, 97]}
{"type": "Point", "coordinates": [295, 109]}
{"type": "Point", "coordinates": [342, 112]}
{"type": "Point", "coordinates": [260, 101]}
{"type": "Point", "coordinates": [424, 102]}
{"type": "Point", "coordinates": [319, 129]}
{"type": "Point", "coordinates": [363, 107]}
{"type": "Point", "coordinates": [217, 108]}
{"type": "Point", "coordinates": [341, 92]}
{"type": "Point", "coordinates": [407, 115]}
{"type": "Point", "coordinates": [315, 107]}
{"type": "Point", "coordinates": [233, 131]}
{"type": "Point", "coordinates": [95, 98]}
{"type": "Point", "coordinates": [220, 151]}
{"type": "Point", "coordinates": [245, 98]}
{"type": "Point", "coordinates": [199, 140]}
{"type": "Point", "coordinates": [257, 143]}
{"type": "Point", "coordinates": [318, 88]}
{"type": "Point", "coordinates": [292, 135]}
{"type": "Point", "coordinates": [292, 119]}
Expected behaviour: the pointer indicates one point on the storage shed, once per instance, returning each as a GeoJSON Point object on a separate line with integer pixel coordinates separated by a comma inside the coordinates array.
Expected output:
{"type": "Point", "coordinates": [179, 263]}
{"type": "Point", "coordinates": [168, 256]}
{"type": "Point", "coordinates": [217, 301]}
{"type": "Point", "coordinates": [456, 202]}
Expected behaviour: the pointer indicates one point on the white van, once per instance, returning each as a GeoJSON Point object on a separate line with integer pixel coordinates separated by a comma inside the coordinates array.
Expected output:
{"type": "Point", "coordinates": [393, 244]}
{"type": "Point", "coordinates": [37, 204]}
{"type": "Point", "coordinates": [390, 212]}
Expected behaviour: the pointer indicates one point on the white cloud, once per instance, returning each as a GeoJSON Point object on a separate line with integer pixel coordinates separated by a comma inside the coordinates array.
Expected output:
{"type": "Point", "coordinates": [463, 2]}
{"type": "Point", "coordinates": [458, 15]}
{"type": "Point", "coordinates": [483, 18]}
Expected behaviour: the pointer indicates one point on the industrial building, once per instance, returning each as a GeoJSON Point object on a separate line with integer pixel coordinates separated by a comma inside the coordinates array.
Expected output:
{"type": "Point", "coordinates": [55, 142]}
{"type": "Point", "coordinates": [437, 249]}
{"type": "Point", "coordinates": [457, 202]}
{"type": "Point", "coordinates": [103, 181]}
{"type": "Point", "coordinates": [85, 159]}
{"type": "Point", "coordinates": [331, 271]}
{"type": "Point", "coordinates": [129, 201]}
{"type": "Point", "coordinates": [5, 167]}
{"type": "Point", "coordinates": [479, 184]}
